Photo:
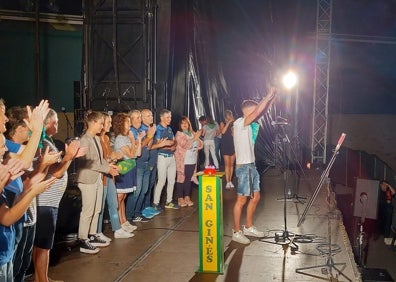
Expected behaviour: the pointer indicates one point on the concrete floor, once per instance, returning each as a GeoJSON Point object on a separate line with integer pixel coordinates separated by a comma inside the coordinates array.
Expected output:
{"type": "Point", "coordinates": [167, 249]}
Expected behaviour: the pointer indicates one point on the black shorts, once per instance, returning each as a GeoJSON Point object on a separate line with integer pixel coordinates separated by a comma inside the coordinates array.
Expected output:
{"type": "Point", "coordinates": [45, 227]}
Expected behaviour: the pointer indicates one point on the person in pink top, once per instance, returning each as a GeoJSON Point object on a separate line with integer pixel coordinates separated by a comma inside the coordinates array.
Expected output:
{"type": "Point", "coordinates": [186, 154]}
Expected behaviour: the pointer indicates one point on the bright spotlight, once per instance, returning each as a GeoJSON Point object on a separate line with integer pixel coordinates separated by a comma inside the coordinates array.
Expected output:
{"type": "Point", "coordinates": [289, 80]}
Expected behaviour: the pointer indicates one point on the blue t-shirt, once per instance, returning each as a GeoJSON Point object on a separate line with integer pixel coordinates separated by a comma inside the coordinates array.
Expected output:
{"type": "Point", "coordinates": [164, 132]}
{"type": "Point", "coordinates": [11, 191]}
{"type": "Point", "coordinates": [7, 237]}
{"type": "Point", "coordinates": [15, 186]}
{"type": "Point", "coordinates": [153, 153]}
{"type": "Point", "coordinates": [145, 151]}
{"type": "Point", "coordinates": [12, 146]}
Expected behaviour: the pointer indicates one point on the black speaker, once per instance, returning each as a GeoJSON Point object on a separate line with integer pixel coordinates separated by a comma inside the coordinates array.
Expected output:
{"type": "Point", "coordinates": [375, 275]}
{"type": "Point", "coordinates": [69, 212]}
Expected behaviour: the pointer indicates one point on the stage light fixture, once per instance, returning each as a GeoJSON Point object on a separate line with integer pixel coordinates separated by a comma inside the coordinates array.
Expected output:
{"type": "Point", "coordinates": [290, 80]}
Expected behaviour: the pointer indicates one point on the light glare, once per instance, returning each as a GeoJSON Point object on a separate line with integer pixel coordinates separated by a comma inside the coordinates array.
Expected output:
{"type": "Point", "coordinates": [289, 80]}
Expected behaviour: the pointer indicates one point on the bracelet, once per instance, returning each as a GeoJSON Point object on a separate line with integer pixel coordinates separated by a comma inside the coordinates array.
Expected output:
{"type": "Point", "coordinates": [149, 136]}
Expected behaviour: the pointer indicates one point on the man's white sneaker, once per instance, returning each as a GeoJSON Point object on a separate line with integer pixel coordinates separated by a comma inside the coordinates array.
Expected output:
{"type": "Point", "coordinates": [103, 237]}
{"type": "Point", "coordinates": [239, 237]}
{"type": "Point", "coordinates": [252, 231]}
{"type": "Point", "coordinates": [122, 234]}
{"type": "Point", "coordinates": [128, 227]}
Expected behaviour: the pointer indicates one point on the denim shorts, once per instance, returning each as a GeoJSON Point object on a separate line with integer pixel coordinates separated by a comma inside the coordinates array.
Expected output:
{"type": "Point", "coordinates": [45, 227]}
{"type": "Point", "coordinates": [248, 179]}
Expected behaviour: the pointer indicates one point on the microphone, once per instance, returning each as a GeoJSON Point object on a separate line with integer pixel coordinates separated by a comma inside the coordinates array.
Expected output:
{"type": "Point", "coordinates": [340, 141]}
{"type": "Point", "coordinates": [281, 118]}
{"type": "Point", "coordinates": [127, 90]}
{"type": "Point", "coordinates": [280, 121]}
{"type": "Point", "coordinates": [105, 92]}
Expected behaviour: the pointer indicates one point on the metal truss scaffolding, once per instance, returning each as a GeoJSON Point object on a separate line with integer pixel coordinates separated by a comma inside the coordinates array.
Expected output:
{"type": "Point", "coordinates": [119, 54]}
{"type": "Point", "coordinates": [321, 83]}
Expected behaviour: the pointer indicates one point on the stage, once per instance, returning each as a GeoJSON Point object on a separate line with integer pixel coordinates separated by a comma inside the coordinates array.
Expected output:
{"type": "Point", "coordinates": [166, 248]}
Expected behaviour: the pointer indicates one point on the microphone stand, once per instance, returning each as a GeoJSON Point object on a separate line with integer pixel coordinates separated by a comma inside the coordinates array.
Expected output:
{"type": "Point", "coordinates": [68, 124]}
{"type": "Point", "coordinates": [327, 268]}
{"type": "Point", "coordinates": [330, 264]}
{"type": "Point", "coordinates": [289, 196]}
{"type": "Point", "coordinates": [284, 237]}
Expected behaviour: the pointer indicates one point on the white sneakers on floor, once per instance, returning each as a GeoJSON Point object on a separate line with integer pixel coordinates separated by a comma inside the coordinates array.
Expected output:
{"type": "Point", "coordinates": [229, 185]}
{"type": "Point", "coordinates": [252, 231]}
{"type": "Point", "coordinates": [240, 236]}
{"type": "Point", "coordinates": [128, 227]}
{"type": "Point", "coordinates": [122, 234]}
{"type": "Point", "coordinates": [103, 237]}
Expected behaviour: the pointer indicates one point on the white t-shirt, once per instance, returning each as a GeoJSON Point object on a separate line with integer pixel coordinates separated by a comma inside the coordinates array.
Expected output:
{"type": "Point", "coordinates": [210, 131]}
{"type": "Point", "coordinates": [243, 142]}
{"type": "Point", "coordinates": [191, 156]}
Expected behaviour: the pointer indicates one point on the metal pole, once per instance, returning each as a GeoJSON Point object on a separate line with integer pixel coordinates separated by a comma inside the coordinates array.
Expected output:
{"type": "Point", "coordinates": [37, 51]}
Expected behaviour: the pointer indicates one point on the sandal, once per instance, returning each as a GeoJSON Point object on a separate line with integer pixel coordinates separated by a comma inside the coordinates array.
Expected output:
{"type": "Point", "coordinates": [182, 203]}
{"type": "Point", "coordinates": [188, 201]}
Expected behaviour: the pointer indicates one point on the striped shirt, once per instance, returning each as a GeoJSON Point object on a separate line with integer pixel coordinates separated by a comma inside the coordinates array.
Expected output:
{"type": "Point", "coordinates": [53, 195]}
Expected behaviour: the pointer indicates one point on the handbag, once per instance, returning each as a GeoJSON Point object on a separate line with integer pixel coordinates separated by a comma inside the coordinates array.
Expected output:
{"type": "Point", "coordinates": [126, 166]}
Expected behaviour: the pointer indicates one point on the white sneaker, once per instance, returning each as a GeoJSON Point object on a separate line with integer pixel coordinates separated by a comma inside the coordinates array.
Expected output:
{"type": "Point", "coordinates": [231, 185]}
{"type": "Point", "coordinates": [103, 237]}
{"type": "Point", "coordinates": [228, 185]}
{"type": "Point", "coordinates": [252, 231]}
{"type": "Point", "coordinates": [388, 241]}
{"type": "Point", "coordinates": [122, 234]}
{"type": "Point", "coordinates": [128, 227]}
{"type": "Point", "coordinates": [239, 237]}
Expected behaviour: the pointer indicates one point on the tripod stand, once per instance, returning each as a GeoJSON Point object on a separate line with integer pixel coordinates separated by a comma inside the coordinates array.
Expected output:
{"type": "Point", "coordinates": [330, 264]}
{"type": "Point", "coordinates": [285, 237]}
{"type": "Point", "coordinates": [290, 154]}
{"type": "Point", "coordinates": [361, 238]}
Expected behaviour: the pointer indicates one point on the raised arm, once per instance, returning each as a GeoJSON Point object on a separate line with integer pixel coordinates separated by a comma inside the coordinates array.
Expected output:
{"type": "Point", "coordinates": [261, 107]}
{"type": "Point", "coordinates": [35, 124]}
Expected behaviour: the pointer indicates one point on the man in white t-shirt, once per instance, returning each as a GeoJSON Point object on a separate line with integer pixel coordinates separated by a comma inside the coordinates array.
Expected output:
{"type": "Point", "coordinates": [246, 172]}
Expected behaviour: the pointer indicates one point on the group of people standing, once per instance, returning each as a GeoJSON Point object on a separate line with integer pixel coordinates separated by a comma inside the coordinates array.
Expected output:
{"type": "Point", "coordinates": [33, 176]}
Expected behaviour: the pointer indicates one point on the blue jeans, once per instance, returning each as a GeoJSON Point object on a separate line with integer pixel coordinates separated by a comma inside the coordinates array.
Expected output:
{"type": "Point", "coordinates": [153, 178]}
{"type": "Point", "coordinates": [143, 180]}
{"type": "Point", "coordinates": [110, 196]}
{"type": "Point", "coordinates": [23, 253]}
{"type": "Point", "coordinates": [248, 179]}
{"type": "Point", "coordinates": [6, 273]}
{"type": "Point", "coordinates": [131, 208]}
